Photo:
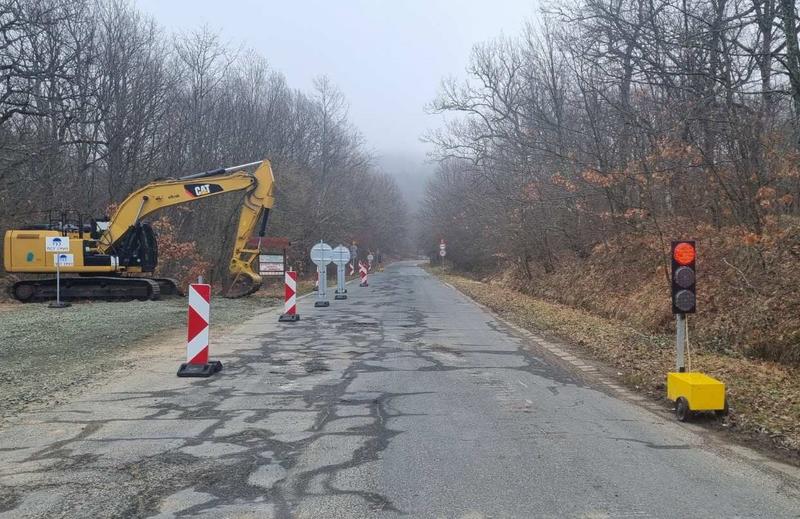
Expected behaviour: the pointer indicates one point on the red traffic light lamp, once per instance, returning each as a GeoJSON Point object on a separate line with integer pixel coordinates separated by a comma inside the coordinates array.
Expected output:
{"type": "Point", "coordinates": [684, 252]}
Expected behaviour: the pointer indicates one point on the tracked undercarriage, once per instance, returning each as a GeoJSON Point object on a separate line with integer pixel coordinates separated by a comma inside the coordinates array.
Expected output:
{"type": "Point", "coordinates": [103, 288]}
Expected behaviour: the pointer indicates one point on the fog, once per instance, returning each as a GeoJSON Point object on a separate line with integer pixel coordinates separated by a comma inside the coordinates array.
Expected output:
{"type": "Point", "coordinates": [388, 58]}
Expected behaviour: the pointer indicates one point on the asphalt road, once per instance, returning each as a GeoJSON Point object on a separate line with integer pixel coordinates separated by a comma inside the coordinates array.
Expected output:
{"type": "Point", "coordinates": [405, 400]}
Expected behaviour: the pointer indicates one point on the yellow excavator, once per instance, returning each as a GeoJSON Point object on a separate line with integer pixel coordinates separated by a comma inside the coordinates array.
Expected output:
{"type": "Point", "coordinates": [106, 258]}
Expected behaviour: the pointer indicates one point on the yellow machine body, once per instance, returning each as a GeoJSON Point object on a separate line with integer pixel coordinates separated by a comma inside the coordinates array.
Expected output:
{"type": "Point", "coordinates": [24, 251]}
{"type": "Point", "coordinates": [703, 393]}
{"type": "Point", "coordinates": [124, 245]}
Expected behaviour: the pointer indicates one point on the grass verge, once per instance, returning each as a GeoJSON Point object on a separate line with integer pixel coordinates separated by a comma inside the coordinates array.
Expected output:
{"type": "Point", "coordinates": [764, 396]}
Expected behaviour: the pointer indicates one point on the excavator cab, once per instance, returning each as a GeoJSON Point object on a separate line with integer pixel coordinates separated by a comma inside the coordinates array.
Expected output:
{"type": "Point", "coordinates": [138, 248]}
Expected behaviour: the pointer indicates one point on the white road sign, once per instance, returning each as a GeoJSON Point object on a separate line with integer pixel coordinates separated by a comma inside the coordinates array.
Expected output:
{"type": "Point", "coordinates": [56, 244]}
{"type": "Point", "coordinates": [341, 255]}
{"type": "Point", "coordinates": [442, 253]}
{"type": "Point", "coordinates": [442, 246]}
{"type": "Point", "coordinates": [270, 264]}
{"type": "Point", "coordinates": [64, 260]}
{"type": "Point", "coordinates": [370, 257]}
{"type": "Point", "coordinates": [321, 254]}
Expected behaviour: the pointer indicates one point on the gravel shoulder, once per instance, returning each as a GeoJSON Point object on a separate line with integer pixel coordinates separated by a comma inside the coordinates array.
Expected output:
{"type": "Point", "coordinates": [49, 355]}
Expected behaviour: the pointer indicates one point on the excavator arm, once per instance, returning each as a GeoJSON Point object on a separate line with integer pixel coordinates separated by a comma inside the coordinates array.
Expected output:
{"type": "Point", "coordinates": [258, 200]}
{"type": "Point", "coordinates": [255, 212]}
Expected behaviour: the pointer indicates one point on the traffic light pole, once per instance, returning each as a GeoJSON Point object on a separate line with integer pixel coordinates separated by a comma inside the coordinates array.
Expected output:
{"type": "Point", "coordinates": [680, 322]}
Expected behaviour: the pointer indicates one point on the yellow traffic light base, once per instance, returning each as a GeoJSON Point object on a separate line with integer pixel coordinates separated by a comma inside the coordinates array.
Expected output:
{"type": "Point", "coordinates": [694, 392]}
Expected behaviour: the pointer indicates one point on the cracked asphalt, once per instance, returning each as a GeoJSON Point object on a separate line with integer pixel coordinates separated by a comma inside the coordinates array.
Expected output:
{"type": "Point", "coordinates": [406, 400]}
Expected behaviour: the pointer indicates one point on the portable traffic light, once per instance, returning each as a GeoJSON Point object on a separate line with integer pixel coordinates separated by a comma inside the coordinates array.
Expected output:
{"type": "Point", "coordinates": [684, 276]}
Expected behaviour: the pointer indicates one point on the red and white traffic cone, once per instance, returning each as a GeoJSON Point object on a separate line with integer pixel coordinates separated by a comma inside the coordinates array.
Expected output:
{"type": "Point", "coordinates": [362, 271]}
{"type": "Point", "coordinates": [290, 314]}
{"type": "Point", "coordinates": [197, 363]}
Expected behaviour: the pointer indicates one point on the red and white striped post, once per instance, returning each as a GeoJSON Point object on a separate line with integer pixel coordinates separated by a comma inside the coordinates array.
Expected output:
{"type": "Point", "coordinates": [316, 283]}
{"type": "Point", "coordinates": [362, 271]}
{"type": "Point", "coordinates": [197, 363]}
{"type": "Point", "coordinates": [352, 267]}
{"type": "Point", "coordinates": [290, 314]}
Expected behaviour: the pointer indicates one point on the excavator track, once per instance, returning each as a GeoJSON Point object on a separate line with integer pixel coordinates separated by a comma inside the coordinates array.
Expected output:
{"type": "Point", "coordinates": [169, 287]}
{"type": "Point", "coordinates": [89, 287]}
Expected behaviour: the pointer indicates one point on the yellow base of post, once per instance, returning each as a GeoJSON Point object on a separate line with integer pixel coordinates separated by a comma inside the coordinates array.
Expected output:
{"type": "Point", "coordinates": [703, 393]}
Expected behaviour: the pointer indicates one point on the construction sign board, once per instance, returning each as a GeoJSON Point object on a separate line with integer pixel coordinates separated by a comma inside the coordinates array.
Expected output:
{"type": "Point", "coordinates": [271, 264]}
{"type": "Point", "coordinates": [64, 260]}
{"type": "Point", "coordinates": [56, 244]}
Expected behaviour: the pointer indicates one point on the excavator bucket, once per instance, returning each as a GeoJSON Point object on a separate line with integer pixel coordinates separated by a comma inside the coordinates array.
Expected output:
{"type": "Point", "coordinates": [242, 286]}
{"type": "Point", "coordinates": [245, 280]}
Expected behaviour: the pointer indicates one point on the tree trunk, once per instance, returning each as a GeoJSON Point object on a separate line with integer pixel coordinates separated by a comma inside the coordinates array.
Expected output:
{"type": "Point", "coordinates": [789, 18]}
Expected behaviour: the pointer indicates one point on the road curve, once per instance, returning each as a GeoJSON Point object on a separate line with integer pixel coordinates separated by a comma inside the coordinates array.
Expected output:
{"type": "Point", "coordinates": [405, 400]}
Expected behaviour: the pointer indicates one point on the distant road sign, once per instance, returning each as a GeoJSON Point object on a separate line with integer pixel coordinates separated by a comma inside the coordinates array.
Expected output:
{"type": "Point", "coordinates": [341, 255]}
{"type": "Point", "coordinates": [56, 244]}
{"type": "Point", "coordinates": [321, 254]}
{"type": "Point", "coordinates": [442, 246]}
{"type": "Point", "coordinates": [370, 257]}
{"type": "Point", "coordinates": [443, 253]}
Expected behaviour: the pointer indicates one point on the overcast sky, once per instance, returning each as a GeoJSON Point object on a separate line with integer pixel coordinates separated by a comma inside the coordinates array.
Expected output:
{"type": "Point", "coordinates": [387, 57]}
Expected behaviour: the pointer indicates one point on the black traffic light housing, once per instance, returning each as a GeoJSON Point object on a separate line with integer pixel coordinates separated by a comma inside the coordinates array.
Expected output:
{"type": "Point", "coordinates": [684, 277]}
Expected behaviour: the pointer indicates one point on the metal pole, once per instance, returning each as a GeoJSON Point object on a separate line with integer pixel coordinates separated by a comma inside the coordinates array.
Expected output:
{"type": "Point", "coordinates": [58, 280]}
{"type": "Point", "coordinates": [322, 283]}
{"type": "Point", "coordinates": [341, 291]}
{"type": "Point", "coordinates": [58, 303]}
{"type": "Point", "coordinates": [243, 166]}
{"type": "Point", "coordinates": [680, 323]}
{"type": "Point", "coordinates": [220, 171]}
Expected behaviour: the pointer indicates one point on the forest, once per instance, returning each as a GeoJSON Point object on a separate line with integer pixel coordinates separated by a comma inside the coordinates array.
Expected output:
{"type": "Point", "coordinates": [579, 148]}
{"type": "Point", "coordinates": [96, 99]}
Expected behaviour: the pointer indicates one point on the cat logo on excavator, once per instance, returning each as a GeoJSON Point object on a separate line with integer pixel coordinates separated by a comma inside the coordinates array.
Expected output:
{"type": "Point", "coordinates": [197, 190]}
